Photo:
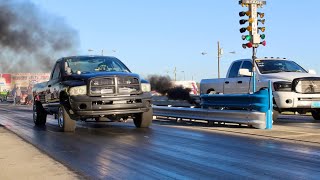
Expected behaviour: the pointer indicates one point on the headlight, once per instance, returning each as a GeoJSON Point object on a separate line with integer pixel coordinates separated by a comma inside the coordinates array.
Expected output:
{"type": "Point", "coordinates": [145, 87]}
{"type": "Point", "coordinates": [282, 86]}
{"type": "Point", "coordinates": [78, 90]}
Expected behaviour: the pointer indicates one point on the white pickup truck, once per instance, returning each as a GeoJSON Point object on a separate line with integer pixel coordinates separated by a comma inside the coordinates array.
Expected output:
{"type": "Point", "coordinates": [294, 88]}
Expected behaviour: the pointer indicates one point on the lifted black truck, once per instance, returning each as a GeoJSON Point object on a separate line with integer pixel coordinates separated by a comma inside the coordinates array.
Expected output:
{"type": "Point", "coordinates": [99, 88]}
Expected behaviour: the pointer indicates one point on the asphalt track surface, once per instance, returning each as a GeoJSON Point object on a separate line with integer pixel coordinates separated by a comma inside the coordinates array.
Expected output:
{"type": "Point", "coordinates": [164, 151]}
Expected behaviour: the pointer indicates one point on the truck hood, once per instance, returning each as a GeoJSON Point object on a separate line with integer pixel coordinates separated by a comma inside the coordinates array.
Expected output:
{"type": "Point", "coordinates": [86, 76]}
{"type": "Point", "coordinates": [286, 76]}
{"type": "Point", "coordinates": [82, 79]}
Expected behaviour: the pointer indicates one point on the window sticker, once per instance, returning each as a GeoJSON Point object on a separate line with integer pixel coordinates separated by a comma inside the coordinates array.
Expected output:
{"type": "Point", "coordinates": [260, 64]}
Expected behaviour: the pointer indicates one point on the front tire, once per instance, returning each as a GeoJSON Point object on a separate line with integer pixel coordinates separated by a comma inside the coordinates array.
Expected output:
{"type": "Point", "coordinates": [143, 120]}
{"type": "Point", "coordinates": [65, 122]}
{"type": "Point", "coordinates": [316, 114]}
{"type": "Point", "coordinates": [39, 114]}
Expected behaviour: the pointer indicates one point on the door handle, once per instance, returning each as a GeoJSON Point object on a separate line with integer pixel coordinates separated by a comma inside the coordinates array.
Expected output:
{"type": "Point", "coordinates": [227, 82]}
{"type": "Point", "coordinates": [49, 85]}
{"type": "Point", "coordinates": [240, 82]}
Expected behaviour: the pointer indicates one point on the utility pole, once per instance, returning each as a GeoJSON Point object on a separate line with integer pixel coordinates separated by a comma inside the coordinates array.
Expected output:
{"type": "Point", "coordinates": [219, 56]}
{"type": "Point", "coordinates": [218, 59]}
{"type": "Point", "coordinates": [175, 73]}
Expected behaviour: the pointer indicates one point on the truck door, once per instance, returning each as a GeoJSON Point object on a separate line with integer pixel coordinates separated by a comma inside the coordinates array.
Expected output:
{"type": "Point", "coordinates": [244, 82]}
{"type": "Point", "coordinates": [54, 86]}
{"type": "Point", "coordinates": [231, 82]}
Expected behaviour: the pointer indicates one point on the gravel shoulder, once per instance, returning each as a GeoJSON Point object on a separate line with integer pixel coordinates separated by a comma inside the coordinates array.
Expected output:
{"type": "Point", "coordinates": [20, 160]}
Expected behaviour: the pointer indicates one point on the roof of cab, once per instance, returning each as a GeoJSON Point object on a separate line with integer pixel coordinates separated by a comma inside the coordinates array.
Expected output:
{"type": "Point", "coordinates": [263, 58]}
{"type": "Point", "coordinates": [84, 56]}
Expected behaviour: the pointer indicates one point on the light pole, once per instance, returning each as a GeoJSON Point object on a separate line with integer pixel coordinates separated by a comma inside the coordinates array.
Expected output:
{"type": "Point", "coordinates": [220, 53]}
{"type": "Point", "coordinates": [102, 51]}
{"type": "Point", "coordinates": [184, 75]}
{"type": "Point", "coordinates": [90, 50]}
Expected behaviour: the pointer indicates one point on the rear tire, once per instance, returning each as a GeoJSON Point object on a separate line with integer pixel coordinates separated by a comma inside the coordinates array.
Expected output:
{"type": "Point", "coordinates": [211, 91]}
{"type": "Point", "coordinates": [39, 114]}
{"type": "Point", "coordinates": [143, 120]}
{"type": "Point", "coordinates": [65, 122]}
{"type": "Point", "coordinates": [316, 114]}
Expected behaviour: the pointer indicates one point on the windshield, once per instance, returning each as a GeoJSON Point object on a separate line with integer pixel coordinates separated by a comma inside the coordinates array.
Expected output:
{"type": "Point", "coordinates": [94, 64]}
{"type": "Point", "coordinates": [275, 66]}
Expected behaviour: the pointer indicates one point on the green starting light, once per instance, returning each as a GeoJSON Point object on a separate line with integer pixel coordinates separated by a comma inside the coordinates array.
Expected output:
{"type": "Point", "coordinates": [262, 36]}
{"type": "Point", "coordinates": [246, 37]}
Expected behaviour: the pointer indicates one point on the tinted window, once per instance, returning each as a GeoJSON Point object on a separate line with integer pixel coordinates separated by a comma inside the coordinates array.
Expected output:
{"type": "Point", "coordinates": [247, 65]}
{"type": "Point", "coordinates": [275, 66]}
{"type": "Point", "coordinates": [234, 71]}
{"type": "Point", "coordinates": [94, 64]}
{"type": "Point", "coordinates": [56, 72]}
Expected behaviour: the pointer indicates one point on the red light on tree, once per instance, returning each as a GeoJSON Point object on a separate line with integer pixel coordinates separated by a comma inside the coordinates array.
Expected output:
{"type": "Point", "coordinates": [264, 43]}
{"type": "Point", "coordinates": [247, 45]}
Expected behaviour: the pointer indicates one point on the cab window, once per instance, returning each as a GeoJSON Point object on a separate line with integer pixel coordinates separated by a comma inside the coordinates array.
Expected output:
{"type": "Point", "coordinates": [234, 71]}
{"type": "Point", "coordinates": [247, 65]}
{"type": "Point", "coordinates": [56, 72]}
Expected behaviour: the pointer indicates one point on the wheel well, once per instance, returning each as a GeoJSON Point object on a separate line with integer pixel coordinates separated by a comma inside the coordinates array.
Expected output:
{"type": "Point", "coordinates": [263, 88]}
{"type": "Point", "coordinates": [210, 90]}
{"type": "Point", "coordinates": [64, 98]}
{"type": "Point", "coordinates": [39, 105]}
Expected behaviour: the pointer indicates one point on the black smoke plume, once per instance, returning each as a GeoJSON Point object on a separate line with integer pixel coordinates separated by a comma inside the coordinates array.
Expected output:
{"type": "Point", "coordinates": [180, 93]}
{"type": "Point", "coordinates": [164, 86]}
{"type": "Point", "coordinates": [160, 84]}
{"type": "Point", "coordinates": [30, 39]}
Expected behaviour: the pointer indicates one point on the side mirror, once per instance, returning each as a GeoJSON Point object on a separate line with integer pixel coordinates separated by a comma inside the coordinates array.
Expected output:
{"type": "Point", "coordinates": [67, 68]}
{"type": "Point", "coordinates": [245, 72]}
{"type": "Point", "coordinates": [311, 71]}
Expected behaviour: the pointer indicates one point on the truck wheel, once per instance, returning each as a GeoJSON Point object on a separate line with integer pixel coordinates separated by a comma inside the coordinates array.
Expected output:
{"type": "Point", "coordinates": [65, 122]}
{"type": "Point", "coordinates": [39, 114]}
{"type": "Point", "coordinates": [316, 114]}
{"type": "Point", "coordinates": [211, 91]}
{"type": "Point", "coordinates": [143, 120]}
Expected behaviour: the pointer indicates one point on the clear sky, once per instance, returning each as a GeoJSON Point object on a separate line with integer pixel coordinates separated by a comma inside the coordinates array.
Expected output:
{"type": "Point", "coordinates": [154, 37]}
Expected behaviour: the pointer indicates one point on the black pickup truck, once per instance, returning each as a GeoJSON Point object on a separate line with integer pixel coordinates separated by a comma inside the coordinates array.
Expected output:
{"type": "Point", "coordinates": [92, 88]}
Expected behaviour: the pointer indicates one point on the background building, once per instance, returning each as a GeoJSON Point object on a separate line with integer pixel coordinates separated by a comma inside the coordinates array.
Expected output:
{"type": "Point", "coordinates": [22, 80]}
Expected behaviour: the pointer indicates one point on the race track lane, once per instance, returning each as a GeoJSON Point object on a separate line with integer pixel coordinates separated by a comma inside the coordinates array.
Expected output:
{"type": "Point", "coordinates": [120, 151]}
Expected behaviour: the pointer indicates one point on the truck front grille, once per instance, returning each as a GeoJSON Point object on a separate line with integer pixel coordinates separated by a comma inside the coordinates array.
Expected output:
{"type": "Point", "coordinates": [122, 85]}
{"type": "Point", "coordinates": [308, 85]}
{"type": "Point", "coordinates": [128, 85]}
{"type": "Point", "coordinates": [42, 98]}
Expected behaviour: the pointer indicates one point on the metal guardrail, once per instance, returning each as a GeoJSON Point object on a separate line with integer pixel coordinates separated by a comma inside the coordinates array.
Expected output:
{"type": "Point", "coordinates": [254, 109]}
{"type": "Point", "coordinates": [255, 119]}
{"type": "Point", "coordinates": [164, 101]}
{"type": "Point", "coordinates": [258, 101]}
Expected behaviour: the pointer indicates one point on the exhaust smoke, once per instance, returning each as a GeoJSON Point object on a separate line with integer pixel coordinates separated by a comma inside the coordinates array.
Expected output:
{"type": "Point", "coordinates": [160, 84]}
{"type": "Point", "coordinates": [164, 86]}
{"type": "Point", "coordinates": [30, 39]}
